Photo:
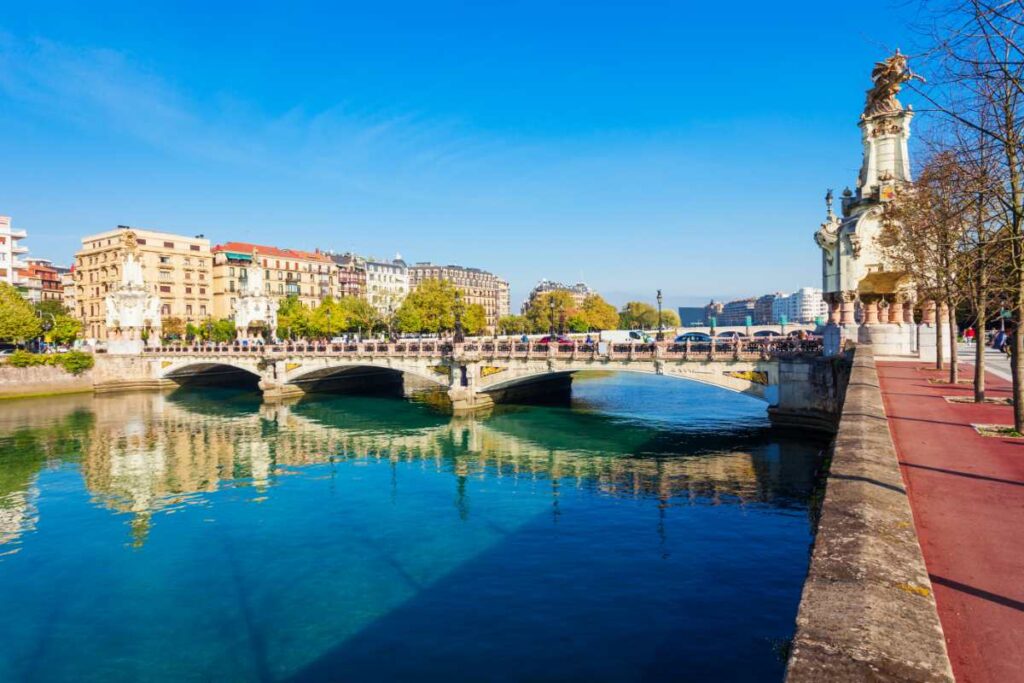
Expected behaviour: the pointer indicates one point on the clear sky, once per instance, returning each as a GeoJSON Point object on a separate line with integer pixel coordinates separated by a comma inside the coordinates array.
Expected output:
{"type": "Point", "coordinates": [635, 145]}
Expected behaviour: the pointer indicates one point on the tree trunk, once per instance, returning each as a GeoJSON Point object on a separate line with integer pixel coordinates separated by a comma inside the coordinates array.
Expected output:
{"type": "Point", "coordinates": [1016, 361]}
{"type": "Point", "coordinates": [954, 347]}
{"type": "Point", "coordinates": [979, 355]}
{"type": "Point", "coordinates": [939, 352]}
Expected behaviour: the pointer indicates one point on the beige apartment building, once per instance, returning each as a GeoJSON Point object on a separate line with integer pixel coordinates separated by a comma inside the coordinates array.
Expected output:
{"type": "Point", "coordinates": [477, 287]}
{"type": "Point", "coordinates": [179, 270]}
{"type": "Point", "coordinates": [305, 274]}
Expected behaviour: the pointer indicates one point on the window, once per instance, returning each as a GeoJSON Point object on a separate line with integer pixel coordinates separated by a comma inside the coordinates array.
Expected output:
{"type": "Point", "coordinates": [188, 309]}
{"type": "Point", "coordinates": [231, 271]}
{"type": "Point", "coordinates": [188, 290]}
{"type": "Point", "coordinates": [169, 245]}
{"type": "Point", "coordinates": [231, 285]}
{"type": "Point", "coordinates": [165, 309]}
{"type": "Point", "coordinates": [140, 241]}
{"type": "Point", "coordinates": [202, 290]}
{"type": "Point", "coordinates": [202, 310]}
{"type": "Point", "coordinates": [202, 276]}
{"type": "Point", "coordinates": [165, 259]}
{"type": "Point", "coordinates": [165, 288]}
{"type": "Point", "coordinates": [194, 247]}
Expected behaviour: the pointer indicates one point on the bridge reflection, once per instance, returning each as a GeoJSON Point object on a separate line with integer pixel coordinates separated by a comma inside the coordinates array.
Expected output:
{"type": "Point", "coordinates": [143, 454]}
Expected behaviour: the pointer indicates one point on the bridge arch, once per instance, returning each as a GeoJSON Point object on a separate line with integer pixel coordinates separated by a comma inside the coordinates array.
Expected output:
{"type": "Point", "coordinates": [199, 371]}
{"type": "Point", "coordinates": [757, 382]}
{"type": "Point", "coordinates": [365, 375]}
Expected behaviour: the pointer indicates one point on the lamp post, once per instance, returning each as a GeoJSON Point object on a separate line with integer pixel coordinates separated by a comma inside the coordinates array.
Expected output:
{"type": "Point", "coordinates": [661, 327]}
{"type": "Point", "coordinates": [459, 335]}
{"type": "Point", "coordinates": [551, 307]}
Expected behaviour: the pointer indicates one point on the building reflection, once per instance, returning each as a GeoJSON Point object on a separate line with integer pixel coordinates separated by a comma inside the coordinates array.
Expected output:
{"type": "Point", "coordinates": [146, 453]}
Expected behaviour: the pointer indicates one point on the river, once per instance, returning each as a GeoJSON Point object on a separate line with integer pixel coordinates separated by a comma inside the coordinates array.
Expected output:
{"type": "Point", "coordinates": [652, 530]}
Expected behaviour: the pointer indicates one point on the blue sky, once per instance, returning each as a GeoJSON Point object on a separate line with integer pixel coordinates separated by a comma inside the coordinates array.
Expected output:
{"type": "Point", "coordinates": [636, 145]}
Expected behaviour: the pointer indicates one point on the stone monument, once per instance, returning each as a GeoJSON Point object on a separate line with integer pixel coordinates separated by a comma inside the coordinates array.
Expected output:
{"type": "Point", "coordinates": [255, 311]}
{"type": "Point", "coordinates": [869, 300]}
{"type": "Point", "coordinates": [133, 312]}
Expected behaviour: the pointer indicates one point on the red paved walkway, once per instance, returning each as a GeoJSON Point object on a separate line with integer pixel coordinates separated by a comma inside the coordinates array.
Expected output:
{"type": "Point", "coordinates": [967, 494]}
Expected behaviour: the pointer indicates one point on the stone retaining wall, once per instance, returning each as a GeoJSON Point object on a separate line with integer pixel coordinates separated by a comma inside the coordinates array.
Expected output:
{"type": "Point", "coordinates": [867, 611]}
{"type": "Point", "coordinates": [41, 379]}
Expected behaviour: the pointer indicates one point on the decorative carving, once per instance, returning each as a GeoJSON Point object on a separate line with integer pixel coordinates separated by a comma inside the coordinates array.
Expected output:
{"type": "Point", "coordinates": [753, 376]}
{"type": "Point", "coordinates": [889, 75]}
{"type": "Point", "coordinates": [488, 370]}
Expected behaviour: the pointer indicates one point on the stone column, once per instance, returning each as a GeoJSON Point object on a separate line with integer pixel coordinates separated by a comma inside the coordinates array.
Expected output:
{"type": "Point", "coordinates": [884, 312]}
{"type": "Point", "coordinates": [871, 313]}
{"type": "Point", "coordinates": [928, 313]}
{"type": "Point", "coordinates": [847, 309]}
{"type": "Point", "coordinates": [908, 312]}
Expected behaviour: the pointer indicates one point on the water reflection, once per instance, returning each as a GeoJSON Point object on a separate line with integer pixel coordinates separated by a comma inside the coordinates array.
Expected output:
{"type": "Point", "coordinates": [144, 453]}
{"type": "Point", "coordinates": [369, 539]}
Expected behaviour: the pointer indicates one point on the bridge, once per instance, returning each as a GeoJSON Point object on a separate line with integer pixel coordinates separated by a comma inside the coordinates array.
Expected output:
{"type": "Point", "coordinates": [789, 375]}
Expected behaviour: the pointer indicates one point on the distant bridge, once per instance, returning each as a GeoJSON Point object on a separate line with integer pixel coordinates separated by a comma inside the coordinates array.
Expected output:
{"type": "Point", "coordinates": [786, 373]}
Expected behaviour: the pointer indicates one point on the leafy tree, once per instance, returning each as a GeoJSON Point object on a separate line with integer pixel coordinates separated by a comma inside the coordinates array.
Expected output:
{"type": "Point", "coordinates": [18, 320]}
{"type": "Point", "coordinates": [474, 319]}
{"type": "Point", "coordinates": [293, 319]}
{"type": "Point", "coordinates": [50, 307]}
{"type": "Point", "coordinates": [360, 315]}
{"type": "Point", "coordinates": [191, 332]}
{"type": "Point", "coordinates": [638, 315]}
{"type": "Point", "coordinates": [598, 314]}
{"type": "Point", "coordinates": [173, 328]}
{"type": "Point", "coordinates": [221, 331]}
{"type": "Point", "coordinates": [669, 319]}
{"type": "Point", "coordinates": [513, 324]}
{"type": "Point", "coordinates": [65, 329]}
{"type": "Point", "coordinates": [542, 317]}
{"type": "Point", "coordinates": [328, 319]}
{"type": "Point", "coordinates": [430, 308]}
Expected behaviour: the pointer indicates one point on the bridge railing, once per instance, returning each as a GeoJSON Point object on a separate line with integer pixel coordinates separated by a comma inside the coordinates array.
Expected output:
{"type": "Point", "coordinates": [762, 348]}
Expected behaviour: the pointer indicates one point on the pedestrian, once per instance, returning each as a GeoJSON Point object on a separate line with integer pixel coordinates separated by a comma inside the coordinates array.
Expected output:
{"type": "Point", "coordinates": [999, 341]}
{"type": "Point", "coordinates": [969, 335]}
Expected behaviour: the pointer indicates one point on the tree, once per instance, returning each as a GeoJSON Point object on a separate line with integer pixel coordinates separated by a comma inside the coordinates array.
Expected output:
{"type": "Point", "coordinates": [638, 315]}
{"type": "Point", "coordinates": [50, 307]}
{"type": "Point", "coordinates": [18, 320]}
{"type": "Point", "coordinates": [541, 316]}
{"type": "Point", "coordinates": [65, 329]}
{"type": "Point", "coordinates": [978, 83]}
{"type": "Point", "coordinates": [669, 319]}
{"type": "Point", "coordinates": [474, 319]}
{"type": "Point", "coordinates": [428, 309]}
{"type": "Point", "coordinates": [292, 318]}
{"type": "Point", "coordinates": [360, 315]}
{"type": "Point", "coordinates": [598, 314]}
{"type": "Point", "coordinates": [220, 331]}
{"type": "Point", "coordinates": [172, 328]}
{"type": "Point", "coordinates": [512, 324]}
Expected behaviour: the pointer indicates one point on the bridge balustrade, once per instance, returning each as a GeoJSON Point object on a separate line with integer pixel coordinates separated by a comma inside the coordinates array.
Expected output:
{"type": "Point", "coordinates": [722, 349]}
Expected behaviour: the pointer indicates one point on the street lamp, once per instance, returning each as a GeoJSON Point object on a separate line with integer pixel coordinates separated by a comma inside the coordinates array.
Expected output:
{"type": "Point", "coordinates": [551, 306]}
{"type": "Point", "coordinates": [661, 327]}
{"type": "Point", "coordinates": [460, 335]}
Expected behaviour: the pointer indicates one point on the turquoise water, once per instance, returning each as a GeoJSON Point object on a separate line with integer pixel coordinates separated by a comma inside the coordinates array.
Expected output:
{"type": "Point", "coordinates": [654, 530]}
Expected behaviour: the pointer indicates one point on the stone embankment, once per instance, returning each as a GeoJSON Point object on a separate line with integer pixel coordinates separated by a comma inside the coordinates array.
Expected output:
{"type": "Point", "coordinates": [867, 611]}
{"type": "Point", "coordinates": [42, 380]}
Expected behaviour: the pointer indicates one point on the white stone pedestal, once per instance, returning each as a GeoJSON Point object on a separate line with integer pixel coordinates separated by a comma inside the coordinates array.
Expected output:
{"type": "Point", "coordinates": [889, 339]}
{"type": "Point", "coordinates": [926, 334]}
{"type": "Point", "coordinates": [125, 347]}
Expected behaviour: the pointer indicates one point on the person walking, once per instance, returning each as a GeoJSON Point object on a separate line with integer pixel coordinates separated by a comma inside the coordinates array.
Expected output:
{"type": "Point", "coordinates": [969, 335]}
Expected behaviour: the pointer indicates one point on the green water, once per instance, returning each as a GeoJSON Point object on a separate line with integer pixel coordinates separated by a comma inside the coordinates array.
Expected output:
{"type": "Point", "coordinates": [654, 530]}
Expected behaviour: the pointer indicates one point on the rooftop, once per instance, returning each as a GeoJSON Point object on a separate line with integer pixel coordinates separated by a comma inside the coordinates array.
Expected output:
{"type": "Point", "coordinates": [265, 250]}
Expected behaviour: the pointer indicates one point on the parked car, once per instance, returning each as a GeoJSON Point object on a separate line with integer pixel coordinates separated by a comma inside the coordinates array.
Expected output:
{"type": "Point", "coordinates": [619, 336]}
{"type": "Point", "coordinates": [696, 337]}
{"type": "Point", "coordinates": [767, 333]}
{"type": "Point", "coordinates": [730, 334]}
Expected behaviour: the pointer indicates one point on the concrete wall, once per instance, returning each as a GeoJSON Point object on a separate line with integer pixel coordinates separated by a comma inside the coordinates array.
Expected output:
{"type": "Point", "coordinates": [867, 611]}
{"type": "Point", "coordinates": [43, 379]}
{"type": "Point", "coordinates": [811, 393]}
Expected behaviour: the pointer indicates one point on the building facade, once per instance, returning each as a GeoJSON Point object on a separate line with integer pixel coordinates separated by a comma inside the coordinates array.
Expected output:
{"type": "Point", "coordinates": [712, 311]}
{"type": "Point", "coordinates": [43, 281]}
{"type": "Point", "coordinates": [805, 306]}
{"type": "Point", "coordinates": [477, 287]}
{"type": "Point", "coordinates": [350, 274]}
{"type": "Point", "coordinates": [68, 289]}
{"type": "Point", "coordinates": [177, 269]}
{"type": "Point", "coordinates": [692, 316]}
{"type": "Point", "coordinates": [11, 263]}
{"type": "Point", "coordinates": [387, 284]}
{"type": "Point", "coordinates": [307, 275]}
{"type": "Point", "coordinates": [737, 312]}
{"type": "Point", "coordinates": [578, 291]}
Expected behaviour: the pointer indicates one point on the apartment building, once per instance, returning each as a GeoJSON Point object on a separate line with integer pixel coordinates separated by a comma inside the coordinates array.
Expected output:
{"type": "Point", "coordinates": [477, 287]}
{"type": "Point", "coordinates": [178, 269]}
{"type": "Point", "coordinates": [805, 305]}
{"type": "Point", "coordinates": [11, 263]}
{"type": "Point", "coordinates": [387, 284]}
{"type": "Point", "coordinates": [68, 290]}
{"type": "Point", "coordinates": [578, 291]}
{"type": "Point", "coordinates": [42, 280]}
{"type": "Point", "coordinates": [308, 275]}
{"type": "Point", "coordinates": [350, 274]}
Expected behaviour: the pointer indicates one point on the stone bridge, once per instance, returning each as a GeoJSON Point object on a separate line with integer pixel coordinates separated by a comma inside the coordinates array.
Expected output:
{"type": "Point", "coordinates": [789, 375]}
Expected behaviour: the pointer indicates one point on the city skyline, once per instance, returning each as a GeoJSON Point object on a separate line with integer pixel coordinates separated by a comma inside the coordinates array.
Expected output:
{"type": "Point", "coordinates": [618, 124]}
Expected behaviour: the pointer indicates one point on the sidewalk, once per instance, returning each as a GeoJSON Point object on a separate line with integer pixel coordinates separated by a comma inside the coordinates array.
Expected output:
{"type": "Point", "coordinates": [967, 495]}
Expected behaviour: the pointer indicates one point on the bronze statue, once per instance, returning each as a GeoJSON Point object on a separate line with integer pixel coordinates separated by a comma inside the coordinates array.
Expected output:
{"type": "Point", "coordinates": [889, 76]}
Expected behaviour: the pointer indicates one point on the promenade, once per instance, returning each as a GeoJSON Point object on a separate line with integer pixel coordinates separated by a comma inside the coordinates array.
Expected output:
{"type": "Point", "coordinates": [967, 496]}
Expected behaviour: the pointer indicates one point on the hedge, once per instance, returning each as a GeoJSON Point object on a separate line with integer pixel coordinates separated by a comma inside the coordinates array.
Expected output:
{"type": "Point", "coordinates": [74, 362]}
